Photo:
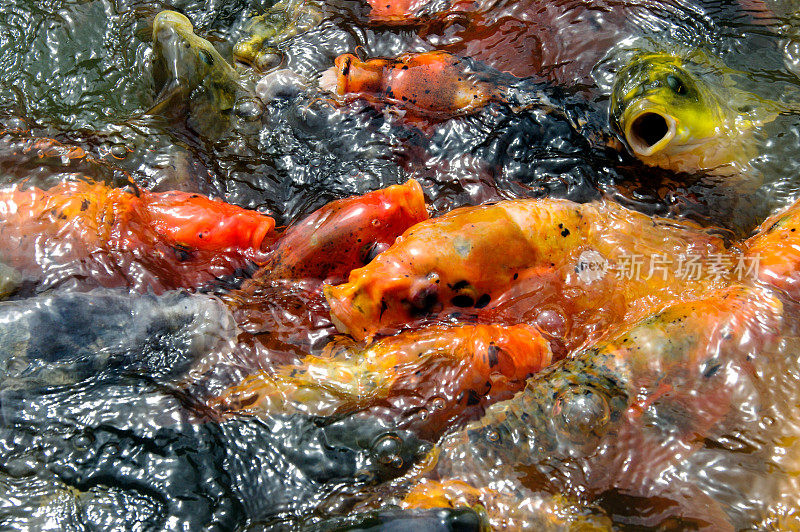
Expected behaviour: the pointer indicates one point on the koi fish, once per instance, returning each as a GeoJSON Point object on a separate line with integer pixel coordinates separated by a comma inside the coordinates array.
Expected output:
{"type": "Point", "coordinates": [345, 234]}
{"type": "Point", "coordinates": [198, 222]}
{"type": "Point", "coordinates": [430, 84]}
{"type": "Point", "coordinates": [483, 363]}
{"type": "Point", "coordinates": [621, 415]}
{"type": "Point", "coordinates": [264, 33]}
{"type": "Point", "coordinates": [189, 74]}
{"type": "Point", "coordinates": [687, 114]}
{"type": "Point", "coordinates": [474, 259]}
{"type": "Point", "coordinates": [95, 234]}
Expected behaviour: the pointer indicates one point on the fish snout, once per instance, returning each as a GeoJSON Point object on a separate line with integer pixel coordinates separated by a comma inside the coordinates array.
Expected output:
{"type": "Point", "coordinates": [409, 199]}
{"type": "Point", "coordinates": [341, 305]}
{"type": "Point", "coordinates": [174, 66]}
{"type": "Point", "coordinates": [167, 23]}
{"type": "Point", "coordinates": [376, 298]}
{"type": "Point", "coordinates": [354, 310]}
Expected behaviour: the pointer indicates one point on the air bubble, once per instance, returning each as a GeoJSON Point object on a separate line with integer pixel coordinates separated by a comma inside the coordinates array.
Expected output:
{"type": "Point", "coordinates": [118, 151]}
{"type": "Point", "coordinates": [581, 413]}
{"type": "Point", "coordinates": [386, 449]}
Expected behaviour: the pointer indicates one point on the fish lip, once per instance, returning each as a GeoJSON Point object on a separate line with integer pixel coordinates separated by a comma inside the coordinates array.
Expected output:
{"type": "Point", "coordinates": [340, 309]}
{"type": "Point", "coordinates": [170, 15]}
{"type": "Point", "coordinates": [409, 197]}
{"type": "Point", "coordinates": [636, 141]}
{"type": "Point", "coordinates": [170, 19]}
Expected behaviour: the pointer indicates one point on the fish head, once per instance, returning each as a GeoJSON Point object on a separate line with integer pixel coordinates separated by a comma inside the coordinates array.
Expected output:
{"type": "Point", "coordinates": [369, 449]}
{"type": "Point", "coordinates": [666, 113]}
{"type": "Point", "coordinates": [380, 217]}
{"type": "Point", "coordinates": [383, 294]}
{"type": "Point", "coordinates": [184, 62]}
{"type": "Point", "coordinates": [348, 233]}
{"type": "Point", "coordinates": [199, 222]}
{"type": "Point", "coordinates": [379, 295]}
{"type": "Point", "coordinates": [252, 50]}
{"type": "Point", "coordinates": [259, 47]}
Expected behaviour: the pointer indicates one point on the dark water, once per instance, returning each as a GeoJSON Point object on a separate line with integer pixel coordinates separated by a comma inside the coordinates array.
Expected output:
{"type": "Point", "coordinates": [104, 423]}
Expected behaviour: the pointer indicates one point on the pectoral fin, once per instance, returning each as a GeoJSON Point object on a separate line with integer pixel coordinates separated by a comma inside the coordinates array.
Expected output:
{"type": "Point", "coordinates": [173, 96]}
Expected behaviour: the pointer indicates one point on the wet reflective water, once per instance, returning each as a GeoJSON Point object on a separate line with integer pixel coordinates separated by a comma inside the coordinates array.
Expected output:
{"type": "Point", "coordinates": [121, 409]}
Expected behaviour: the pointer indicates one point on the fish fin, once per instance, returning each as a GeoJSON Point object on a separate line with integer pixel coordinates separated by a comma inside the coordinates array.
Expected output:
{"type": "Point", "coordinates": [205, 117]}
{"type": "Point", "coordinates": [172, 97]}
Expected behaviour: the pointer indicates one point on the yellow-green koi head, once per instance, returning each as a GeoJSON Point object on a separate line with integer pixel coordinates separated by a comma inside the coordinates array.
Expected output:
{"type": "Point", "coordinates": [672, 117]}
{"type": "Point", "coordinates": [253, 50]}
{"type": "Point", "coordinates": [184, 62]}
{"type": "Point", "coordinates": [284, 20]}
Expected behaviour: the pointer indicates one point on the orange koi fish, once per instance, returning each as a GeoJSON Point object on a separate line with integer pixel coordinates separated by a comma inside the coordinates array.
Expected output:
{"type": "Point", "coordinates": [430, 84]}
{"type": "Point", "coordinates": [775, 251]}
{"type": "Point", "coordinates": [483, 363]}
{"type": "Point", "coordinates": [283, 303]}
{"type": "Point", "coordinates": [198, 222]}
{"type": "Point", "coordinates": [103, 236]}
{"type": "Point", "coordinates": [474, 259]}
{"type": "Point", "coordinates": [345, 234]}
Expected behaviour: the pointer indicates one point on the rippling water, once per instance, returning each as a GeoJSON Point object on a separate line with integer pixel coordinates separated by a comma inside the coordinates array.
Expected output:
{"type": "Point", "coordinates": [109, 400]}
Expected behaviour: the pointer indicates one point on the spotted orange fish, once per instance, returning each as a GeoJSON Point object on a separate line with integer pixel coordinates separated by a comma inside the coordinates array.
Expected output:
{"type": "Point", "coordinates": [492, 259]}
{"type": "Point", "coordinates": [429, 84]}
{"type": "Point", "coordinates": [95, 235]}
{"type": "Point", "coordinates": [452, 367]}
{"type": "Point", "coordinates": [345, 234]}
{"type": "Point", "coordinates": [622, 415]}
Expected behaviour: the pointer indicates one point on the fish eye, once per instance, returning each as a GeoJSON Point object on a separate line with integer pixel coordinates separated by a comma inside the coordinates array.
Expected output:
{"type": "Point", "coordinates": [206, 57]}
{"type": "Point", "coordinates": [676, 84]}
{"type": "Point", "coordinates": [387, 449]}
{"type": "Point", "coordinates": [369, 251]}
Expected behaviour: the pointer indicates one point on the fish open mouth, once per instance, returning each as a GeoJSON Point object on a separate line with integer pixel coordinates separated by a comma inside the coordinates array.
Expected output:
{"type": "Point", "coordinates": [649, 132]}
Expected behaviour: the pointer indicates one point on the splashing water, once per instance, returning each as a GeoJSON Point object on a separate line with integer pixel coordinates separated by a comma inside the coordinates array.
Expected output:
{"type": "Point", "coordinates": [120, 409]}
